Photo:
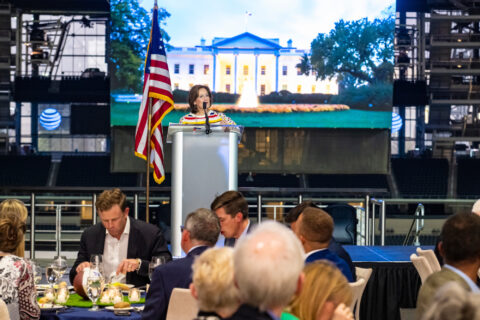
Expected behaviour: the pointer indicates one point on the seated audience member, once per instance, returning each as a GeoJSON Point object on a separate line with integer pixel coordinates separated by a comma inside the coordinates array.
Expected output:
{"type": "Point", "coordinates": [17, 287]}
{"type": "Point", "coordinates": [476, 207]}
{"type": "Point", "coordinates": [314, 228]}
{"type": "Point", "coordinates": [452, 302]}
{"type": "Point", "coordinates": [268, 265]}
{"type": "Point", "coordinates": [460, 249]}
{"type": "Point", "coordinates": [200, 232]}
{"type": "Point", "coordinates": [325, 294]}
{"type": "Point", "coordinates": [16, 207]}
{"type": "Point", "coordinates": [476, 210]}
{"type": "Point", "coordinates": [333, 246]}
{"type": "Point", "coordinates": [212, 284]}
{"type": "Point", "coordinates": [232, 210]}
{"type": "Point", "coordinates": [127, 245]}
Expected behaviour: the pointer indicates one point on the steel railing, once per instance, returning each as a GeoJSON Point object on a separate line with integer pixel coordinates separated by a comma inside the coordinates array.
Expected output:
{"type": "Point", "coordinates": [367, 211]}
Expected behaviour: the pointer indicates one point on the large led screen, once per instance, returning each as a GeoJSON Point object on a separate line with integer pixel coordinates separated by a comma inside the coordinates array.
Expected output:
{"type": "Point", "coordinates": [278, 64]}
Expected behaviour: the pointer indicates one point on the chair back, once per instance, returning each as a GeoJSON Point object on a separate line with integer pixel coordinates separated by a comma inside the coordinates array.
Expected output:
{"type": "Point", "coordinates": [431, 258]}
{"type": "Point", "coordinates": [4, 315]}
{"type": "Point", "coordinates": [357, 291]}
{"type": "Point", "coordinates": [345, 222]}
{"type": "Point", "coordinates": [422, 266]}
{"type": "Point", "coordinates": [362, 274]}
{"type": "Point", "coordinates": [182, 305]}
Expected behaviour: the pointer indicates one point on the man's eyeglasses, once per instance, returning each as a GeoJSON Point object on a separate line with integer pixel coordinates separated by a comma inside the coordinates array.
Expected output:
{"type": "Point", "coordinates": [182, 228]}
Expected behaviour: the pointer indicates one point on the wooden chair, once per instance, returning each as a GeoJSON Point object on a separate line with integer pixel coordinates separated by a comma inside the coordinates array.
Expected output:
{"type": "Point", "coordinates": [362, 274]}
{"type": "Point", "coordinates": [4, 315]}
{"type": "Point", "coordinates": [431, 258]}
{"type": "Point", "coordinates": [422, 266]}
{"type": "Point", "coordinates": [182, 306]}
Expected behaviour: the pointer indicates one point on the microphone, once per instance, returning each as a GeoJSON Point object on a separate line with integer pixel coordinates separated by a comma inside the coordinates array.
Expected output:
{"type": "Point", "coordinates": [207, 122]}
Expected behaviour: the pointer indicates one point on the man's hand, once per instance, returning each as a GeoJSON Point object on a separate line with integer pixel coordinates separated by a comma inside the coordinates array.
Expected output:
{"type": "Point", "coordinates": [82, 266]}
{"type": "Point", "coordinates": [127, 265]}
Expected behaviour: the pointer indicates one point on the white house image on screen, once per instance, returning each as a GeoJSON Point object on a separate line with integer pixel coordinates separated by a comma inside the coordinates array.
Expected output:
{"type": "Point", "coordinates": [244, 61]}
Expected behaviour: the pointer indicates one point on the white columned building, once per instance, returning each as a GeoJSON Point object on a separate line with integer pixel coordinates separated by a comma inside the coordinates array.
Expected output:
{"type": "Point", "coordinates": [244, 61]}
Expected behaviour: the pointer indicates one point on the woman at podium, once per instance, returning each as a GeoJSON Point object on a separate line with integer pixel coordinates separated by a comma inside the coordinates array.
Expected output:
{"type": "Point", "coordinates": [200, 101]}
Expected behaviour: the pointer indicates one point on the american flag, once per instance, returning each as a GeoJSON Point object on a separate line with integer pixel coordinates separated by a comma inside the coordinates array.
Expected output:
{"type": "Point", "coordinates": [157, 86]}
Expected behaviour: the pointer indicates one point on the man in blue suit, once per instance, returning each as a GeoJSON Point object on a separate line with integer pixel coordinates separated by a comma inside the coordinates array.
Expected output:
{"type": "Point", "coordinates": [314, 228]}
{"type": "Point", "coordinates": [333, 246]}
{"type": "Point", "coordinates": [200, 232]}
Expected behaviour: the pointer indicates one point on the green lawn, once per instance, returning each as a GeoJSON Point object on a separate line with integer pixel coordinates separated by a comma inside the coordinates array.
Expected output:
{"type": "Point", "coordinates": [126, 114]}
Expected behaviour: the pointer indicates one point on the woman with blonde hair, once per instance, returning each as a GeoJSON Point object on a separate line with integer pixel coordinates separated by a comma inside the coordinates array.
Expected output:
{"type": "Point", "coordinates": [325, 294]}
{"type": "Point", "coordinates": [16, 207]}
{"type": "Point", "coordinates": [17, 287]}
{"type": "Point", "coordinates": [212, 284]}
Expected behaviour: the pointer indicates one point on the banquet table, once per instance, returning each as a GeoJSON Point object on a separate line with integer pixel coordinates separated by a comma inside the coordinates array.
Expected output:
{"type": "Point", "coordinates": [75, 313]}
{"type": "Point", "coordinates": [394, 282]}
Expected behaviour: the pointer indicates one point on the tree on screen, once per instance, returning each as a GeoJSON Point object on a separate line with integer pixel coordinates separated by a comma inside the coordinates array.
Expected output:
{"type": "Point", "coordinates": [129, 35]}
{"type": "Point", "coordinates": [304, 65]}
{"type": "Point", "coordinates": [356, 52]}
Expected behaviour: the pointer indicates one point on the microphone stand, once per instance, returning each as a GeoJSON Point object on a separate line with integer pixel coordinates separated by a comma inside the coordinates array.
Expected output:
{"type": "Point", "coordinates": [207, 122]}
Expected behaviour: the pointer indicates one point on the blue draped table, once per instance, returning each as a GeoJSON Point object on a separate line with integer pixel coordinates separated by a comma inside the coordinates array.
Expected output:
{"type": "Point", "coordinates": [73, 313]}
{"type": "Point", "coordinates": [394, 282]}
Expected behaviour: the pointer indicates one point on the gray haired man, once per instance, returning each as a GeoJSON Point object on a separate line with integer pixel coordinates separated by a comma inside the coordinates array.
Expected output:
{"type": "Point", "coordinates": [268, 267]}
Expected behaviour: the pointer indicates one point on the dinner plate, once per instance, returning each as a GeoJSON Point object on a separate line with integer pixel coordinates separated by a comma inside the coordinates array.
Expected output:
{"type": "Point", "coordinates": [130, 286]}
{"type": "Point", "coordinates": [111, 308]}
{"type": "Point", "coordinates": [46, 286]}
{"type": "Point", "coordinates": [49, 306]}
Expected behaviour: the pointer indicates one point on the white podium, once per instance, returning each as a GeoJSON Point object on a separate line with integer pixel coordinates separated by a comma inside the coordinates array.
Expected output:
{"type": "Point", "coordinates": [203, 167]}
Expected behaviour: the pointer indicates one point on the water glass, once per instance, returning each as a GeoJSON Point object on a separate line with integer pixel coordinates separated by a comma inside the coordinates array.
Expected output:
{"type": "Point", "coordinates": [59, 266]}
{"type": "Point", "coordinates": [95, 285]}
{"type": "Point", "coordinates": [51, 275]}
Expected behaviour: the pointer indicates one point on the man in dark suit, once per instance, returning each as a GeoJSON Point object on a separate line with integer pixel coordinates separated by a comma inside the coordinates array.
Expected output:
{"type": "Point", "coordinates": [460, 249]}
{"type": "Point", "coordinates": [127, 245]}
{"type": "Point", "coordinates": [232, 211]}
{"type": "Point", "coordinates": [200, 232]}
{"type": "Point", "coordinates": [268, 266]}
{"type": "Point", "coordinates": [333, 246]}
{"type": "Point", "coordinates": [314, 229]}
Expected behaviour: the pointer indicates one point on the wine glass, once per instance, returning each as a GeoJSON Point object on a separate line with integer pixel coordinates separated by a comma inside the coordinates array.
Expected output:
{"type": "Point", "coordinates": [95, 285]}
{"type": "Point", "coordinates": [51, 275]}
{"type": "Point", "coordinates": [151, 268]}
{"type": "Point", "coordinates": [158, 260]}
{"type": "Point", "coordinates": [96, 261]}
{"type": "Point", "coordinates": [59, 266]}
{"type": "Point", "coordinates": [37, 272]}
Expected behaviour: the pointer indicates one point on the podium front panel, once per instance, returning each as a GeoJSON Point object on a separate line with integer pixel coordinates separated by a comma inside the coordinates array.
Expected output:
{"type": "Point", "coordinates": [203, 167]}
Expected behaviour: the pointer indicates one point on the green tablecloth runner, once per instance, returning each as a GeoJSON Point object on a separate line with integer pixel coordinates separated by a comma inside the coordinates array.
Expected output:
{"type": "Point", "coordinates": [77, 301]}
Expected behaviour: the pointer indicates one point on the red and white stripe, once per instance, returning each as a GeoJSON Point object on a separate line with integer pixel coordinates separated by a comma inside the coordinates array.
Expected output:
{"type": "Point", "coordinates": [157, 86]}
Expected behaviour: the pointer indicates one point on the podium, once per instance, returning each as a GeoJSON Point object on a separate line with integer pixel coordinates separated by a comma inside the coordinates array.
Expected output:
{"type": "Point", "coordinates": [203, 167]}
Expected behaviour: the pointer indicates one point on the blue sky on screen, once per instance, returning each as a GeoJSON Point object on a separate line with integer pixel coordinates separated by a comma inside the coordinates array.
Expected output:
{"type": "Point", "coordinates": [299, 20]}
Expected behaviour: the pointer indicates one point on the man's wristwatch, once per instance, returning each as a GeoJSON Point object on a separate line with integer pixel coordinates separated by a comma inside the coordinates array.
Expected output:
{"type": "Point", "coordinates": [139, 264]}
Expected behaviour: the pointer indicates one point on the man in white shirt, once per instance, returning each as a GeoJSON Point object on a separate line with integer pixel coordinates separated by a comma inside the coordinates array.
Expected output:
{"type": "Point", "coordinates": [232, 211]}
{"type": "Point", "coordinates": [460, 248]}
{"type": "Point", "coordinates": [127, 244]}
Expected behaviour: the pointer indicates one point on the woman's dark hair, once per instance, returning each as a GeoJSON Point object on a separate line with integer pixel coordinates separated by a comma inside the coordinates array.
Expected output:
{"type": "Point", "coordinates": [12, 230]}
{"type": "Point", "coordinates": [193, 95]}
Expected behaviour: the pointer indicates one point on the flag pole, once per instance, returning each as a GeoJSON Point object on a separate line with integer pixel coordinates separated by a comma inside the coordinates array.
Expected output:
{"type": "Point", "coordinates": [149, 139]}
